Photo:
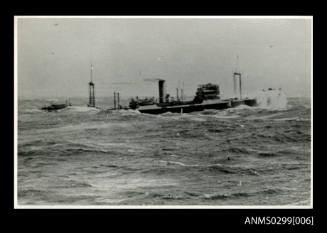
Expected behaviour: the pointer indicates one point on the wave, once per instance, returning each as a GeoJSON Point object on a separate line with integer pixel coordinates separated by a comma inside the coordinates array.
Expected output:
{"type": "Point", "coordinates": [194, 134]}
{"type": "Point", "coordinates": [209, 112]}
{"type": "Point", "coordinates": [164, 196]}
{"type": "Point", "coordinates": [79, 151]}
{"type": "Point", "coordinates": [213, 168]}
{"type": "Point", "coordinates": [23, 153]}
{"type": "Point", "coordinates": [268, 154]}
{"type": "Point", "coordinates": [120, 112]}
{"type": "Point", "coordinates": [32, 110]}
{"type": "Point", "coordinates": [237, 150]}
{"type": "Point", "coordinates": [129, 112]}
{"type": "Point", "coordinates": [217, 196]}
{"type": "Point", "coordinates": [180, 117]}
{"type": "Point", "coordinates": [67, 148]}
{"type": "Point", "coordinates": [206, 196]}
{"type": "Point", "coordinates": [170, 114]}
{"type": "Point", "coordinates": [33, 192]}
{"type": "Point", "coordinates": [37, 143]}
{"type": "Point", "coordinates": [289, 119]}
{"type": "Point", "coordinates": [192, 117]}
{"type": "Point", "coordinates": [226, 117]}
{"type": "Point", "coordinates": [34, 147]}
{"type": "Point", "coordinates": [178, 163]}
{"type": "Point", "coordinates": [290, 135]}
{"type": "Point", "coordinates": [73, 148]}
{"type": "Point", "coordinates": [71, 184]}
{"type": "Point", "coordinates": [230, 169]}
{"type": "Point", "coordinates": [82, 109]}
{"type": "Point", "coordinates": [301, 202]}
{"type": "Point", "coordinates": [277, 153]}
{"type": "Point", "coordinates": [244, 107]}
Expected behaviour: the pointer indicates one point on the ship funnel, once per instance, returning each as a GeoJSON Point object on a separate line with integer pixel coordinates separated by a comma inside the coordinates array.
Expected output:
{"type": "Point", "coordinates": [161, 83]}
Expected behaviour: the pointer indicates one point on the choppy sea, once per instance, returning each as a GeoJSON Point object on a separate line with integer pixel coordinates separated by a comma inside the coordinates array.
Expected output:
{"type": "Point", "coordinates": [239, 156]}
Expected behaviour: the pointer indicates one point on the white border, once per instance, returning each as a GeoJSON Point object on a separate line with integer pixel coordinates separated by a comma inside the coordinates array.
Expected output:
{"type": "Point", "coordinates": [311, 112]}
{"type": "Point", "coordinates": [160, 207]}
{"type": "Point", "coordinates": [17, 206]}
{"type": "Point", "coordinates": [167, 17]}
{"type": "Point", "coordinates": [15, 110]}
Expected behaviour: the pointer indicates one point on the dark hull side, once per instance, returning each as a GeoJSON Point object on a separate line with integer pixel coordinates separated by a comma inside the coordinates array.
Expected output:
{"type": "Point", "coordinates": [54, 107]}
{"type": "Point", "coordinates": [199, 107]}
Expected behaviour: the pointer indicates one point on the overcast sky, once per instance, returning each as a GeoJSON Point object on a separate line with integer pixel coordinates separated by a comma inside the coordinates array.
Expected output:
{"type": "Point", "coordinates": [54, 55]}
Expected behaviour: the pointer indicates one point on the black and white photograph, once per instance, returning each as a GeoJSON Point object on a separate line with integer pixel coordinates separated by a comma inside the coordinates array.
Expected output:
{"type": "Point", "coordinates": [163, 112]}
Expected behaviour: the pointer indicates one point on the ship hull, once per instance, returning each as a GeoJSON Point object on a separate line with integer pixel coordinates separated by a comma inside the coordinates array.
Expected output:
{"type": "Point", "coordinates": [54, 107]}
{"type": "Point", "coordinates": [197, 107]}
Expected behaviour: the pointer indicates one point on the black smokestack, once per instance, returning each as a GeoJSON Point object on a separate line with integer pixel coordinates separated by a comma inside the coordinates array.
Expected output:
{"type": "Point", "coordinates": [161, 90]}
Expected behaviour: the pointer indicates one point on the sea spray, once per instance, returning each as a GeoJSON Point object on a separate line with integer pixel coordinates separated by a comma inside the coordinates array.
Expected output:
{"type": "Point", "coordinates": [272, 99]}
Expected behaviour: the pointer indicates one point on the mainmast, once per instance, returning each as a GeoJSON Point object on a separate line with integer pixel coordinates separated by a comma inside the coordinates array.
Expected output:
{"type": "Point", "coordinates": [238, 75]}
{"type": "Point", "coordinates": [91, 76]}
{"type": "Point", "coordinates": [91, 89]}
{"type": "Point", "coordinates": [182, 91]}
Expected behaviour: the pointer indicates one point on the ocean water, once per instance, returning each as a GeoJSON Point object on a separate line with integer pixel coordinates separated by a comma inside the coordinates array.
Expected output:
{"type": "Point", "coordinates": [240, 156]}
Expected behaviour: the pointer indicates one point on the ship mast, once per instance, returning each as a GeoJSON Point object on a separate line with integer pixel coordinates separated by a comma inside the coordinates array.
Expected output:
{"type": "Point", "coordinates": [237, 63]}
{"type": "Point", "coordinates": [182, 91]}
{"type": "Point", "coordinates": [91, 76]}
{"type": "Point", "coordinates": [91, 89]}
{"type": "Point", "coordinates": [238, 75]}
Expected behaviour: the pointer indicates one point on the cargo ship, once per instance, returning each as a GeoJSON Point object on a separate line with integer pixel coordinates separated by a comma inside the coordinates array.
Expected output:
{"type": "Point", "coordinates": [207, 96]}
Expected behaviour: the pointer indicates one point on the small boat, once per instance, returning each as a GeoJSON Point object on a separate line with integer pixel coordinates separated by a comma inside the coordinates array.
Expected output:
{"type": "Point", "coordinates": [55, 107]}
